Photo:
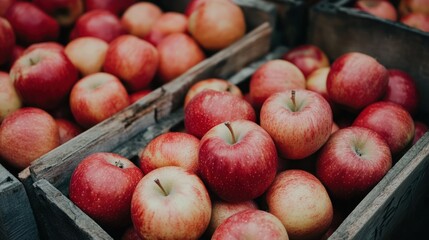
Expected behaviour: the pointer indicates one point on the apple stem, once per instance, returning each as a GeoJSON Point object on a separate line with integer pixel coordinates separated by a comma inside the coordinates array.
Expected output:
{"type": "Point", "coordinates": [293, 99]}
{"type": "Point", "coordinates": [228, 88]}
{"type": "Point", "coordinates": [160, 186]}
{"type": "Point", "coordinates": [119, 164]}
{"type": "Point", "coordinates": [228, 125]}
{"type": "Point", "coordinates": [32, 62]}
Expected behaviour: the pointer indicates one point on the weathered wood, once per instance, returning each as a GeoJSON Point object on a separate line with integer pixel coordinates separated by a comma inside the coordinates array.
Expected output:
{"type": "Point", "coordinates": [16, 217]}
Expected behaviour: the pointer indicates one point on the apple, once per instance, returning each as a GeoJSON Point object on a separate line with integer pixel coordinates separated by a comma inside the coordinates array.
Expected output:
{"type": "Point", "coordinates": [130, 234]}
{"type": "Point", "coordinates": [87, 54]}
{"type": "Point", "coordinates": [217, 24]}
{"type": "Point", "coordinates": [381, 9]}
{"type": "Point", "coordinates": [194, 4]}
{"type": "Point", "coordinates": [178, 52]}
{"type": "Point", "coordinates": [335, 127]}
{"type": "Point", "coordinates": [416, 20]}
{"type": "Point", "coordinates": [54, 46]}
{"type": "Point", "coordinates": [31, 24]}
{"type": "Point", "coordinates": [167, 23]}
{"type": "Point", "coordinates": [102, 186]}
{"type": "Point", "coordinates": [299, 121]}
{"type": "Point", "coordinates": [402, 90]}
{"type": "Point", "coordinates": [237, 160]}
{"type": "Point", "coordinates": [9, 98]}
{"type": "Point", "coordinates": [4, 6]}
{"type": "Point", "coordinates": [272, 77]}
{"type": "Point", "coordinates": [67, 129]}
{"type": "Point", "coordinates": [171, 149]}
{"type": "Point", "coordinates": [352, 162]}
{"type": "Point", "coordinates": [420, 129]}
{"type": "Point", "coordinates": [316, 82]}
{"type": "Point", "coordinates": [222, 210]}
{"type": "Point", "coordinates": [134, 97]}
{"type": "Point", "coordinates": [25, 135]}
{"type": "Point", "coordinates": [139, 18]}
{"type": "Point", "coordinates": [301, 203]}
{"type": "Point", "coordinates": [170, 203]}
{"type": "Point", "coordinates": [394, 124]}
{"type": "Point", "coordinates": [307, 58]}
{"type": "Point", "coordinates": [64, 11]}
{"type": "Point", "coordinates": [413, 6]}
{"type": "Point", "coordinates": [7, 41]}
{"type": "Point", "coordinates": [97, 97]}
{"type": "Point", "coordinates": [98, 23]}
{"type": "Point", "coordinates": [356, 80]}
{"type": "Point", "coordinates": [117, 7]}
{"type": "Point", "coordinates": [214, 84]}
{"type": "Point", "coordinates": [253, 225]}
{"type": "Point", "coordinates": [43, 77]}
{"type": "Point", "coordinates": [133, 60]}
{"type": "Point", "coordinates": [210, 108]}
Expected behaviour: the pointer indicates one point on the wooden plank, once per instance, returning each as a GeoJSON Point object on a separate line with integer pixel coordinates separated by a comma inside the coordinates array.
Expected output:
{"type": "Point", "coordinates": [16, 217]}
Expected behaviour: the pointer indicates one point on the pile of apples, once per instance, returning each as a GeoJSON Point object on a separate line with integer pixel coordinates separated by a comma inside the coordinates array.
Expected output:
{"type": "Point", "coordinates": [288, 159]}
{"type": "Point", "coordinates": [67, 65]}
{"type": "Point", "coordinates": [413, 13]}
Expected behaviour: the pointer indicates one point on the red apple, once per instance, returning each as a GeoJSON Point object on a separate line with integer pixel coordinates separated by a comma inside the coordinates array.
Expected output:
{"type": "Point", "coordinates": [53, 46]}
{"type": "Point", "coordinates": [9, 98]}
{"type": "Point", "coordinates": [402, 90]}
{"type": "Point", "coordinates": [413, 6]}
{"type": "Point", "coordinates": [102, 186]}
{"type": "Point", "coordinates": [7, 41]}
{"type": "Point", "coordinates": [237, 160]}
{"type": "Point", "coordinates": [43, 77]}
{"type": "Point", "coordinates": [25, 135]}
{"type": "Point", "coordinates": [134, 97]}
{"type": "Point", "coordinates": [4, 6]}
{"type": "Point", "coordinates": [316, 82]}
{"type": "Point", "coordinates": [301, 203]}
{"type": "Point", "coordinates": [394, 124]}
{"type": "Point", "coordinates": [139, 18]}
{"type": "Point", "coordinates": [178, 52]}
{"type": "Point", "coordinates": [210, 108]}
{"type": "Point", "coordinates": [417, 20]}
{"type": "Point", "coordinates": [67, 129]}
{"type": "Point", "coordinates": [356, 80]}
{"type": "Point", "coordinates": [117, 7]}
{"type": "Point", "coordinates": [64, 11]}
{"type": "Point", "coordinates": [299, 121]}
{"type": "Point", "coordinates": [155, 205]}
{"type": "Point", "coordinates": [31, 24]}
{"type": "Point", "coordinates": [98, 23]}
{"type": "Point", "coordinates": [97, 97]}
{"type": "Point", "coordinates": [420, 129]}
{"type": "Point", "coordinates": [272, 77]}
{"type": "Point", "coordinates": [171, 149]}
{"type": "Point", "coordinates": [168, 23]}
{"type": "Point", "coordinates": [217, 24]}
{"type": "Point", "coordinates": [251, 225]}
{"type": "Point", "coordinates": [214, 84]}
{"type": "Point", "coordinates": [334, 127]}
{"type": "Point", "coordinates": [307, 58]}
{"type": "Point", "coordinates": [133, 60]}
{"type": "Point", "coordinates": [87, 54]}
{"type": "Point", "coordinates": [352, 162]}
{"type": "Point", "coordinates": [381, 9]}
{"type": "Point", "coordinates": [194, 4]}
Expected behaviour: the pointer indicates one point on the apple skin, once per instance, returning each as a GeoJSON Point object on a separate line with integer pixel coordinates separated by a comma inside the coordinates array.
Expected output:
{"type": "Point", "coordinates": [420, 129]}
{"type": "Point", "coordinates": [416, 20]}
{"type": "Point", "coordinates": [139, 18]}
{"type": "Point", "coordinates": [87, 54]}
{"type": "Point", "coordinates": [352, 162]}
{"type": "Point", "coordinates": [194, 4]}
{"type": "Point", "coordinates": [4, 6]}
{"type": "Point", "coordinates": [381, 9]}
{"type": "Point", "coordinates": [356, 80]}
{"type": "Point", "coordinates": [98, 23]}
{"type": "Point", "coordinates": [133, 60]}
{"type": "Point", "coordinates": [413, 6]}
{"type": "Point", "coordinates": [22, 15]}
{"type": "Point", "coordinates": [402, 90]}
{"type": "Point", "coordinates": [21, 142]}
{"type": "Point", "coordinates": [300, 132]}
{"type": "Point", "coordinates": [171, 149]}
{"type": "Point", "coordinates": [97, 97]}
{"type": "Point", "coordinates": [316, 82]}
{"type": "Point", "coordinates": [53, 46]}
{"type": "Point", "coordinates": [64, 11]}
{"type": "Point", "coordinates": [7, 40]}
{"type": "Point", "coordinates": [214, 84]}
{"type": "Point", "coordinates": [156, 215]}
{"type": "Point", "coordinates": [301, 203]}
{"type": "Point", "coordinates": [178, 52]}
{"type": "Point", "coordinates": [272, 77]}
{"type": "Point", "coordinates": [134, 97]}
{"type": "Point", "coordinates": [239, 170]}
{"type": "Point", "coordinates": [116, 7]}
{"type": "Point", "coordinates": [168, 23]}
{"type": "Point", "coordinates": [253, 225]}
{"type": "Point", "coordinates": [9, 98]}
{"type": "Point", "coordinates": [210, 108]}
{"type": "Point", "coordinates": [217, 24]}
{"type": "Point", "coordinates": [307, 58]}
{"type": "Point", "coordinates": [67, 129]}
{"type": "Point", "coordinates": [102, 186]}
{"type": "Point", "coordinates": [44, 78]}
